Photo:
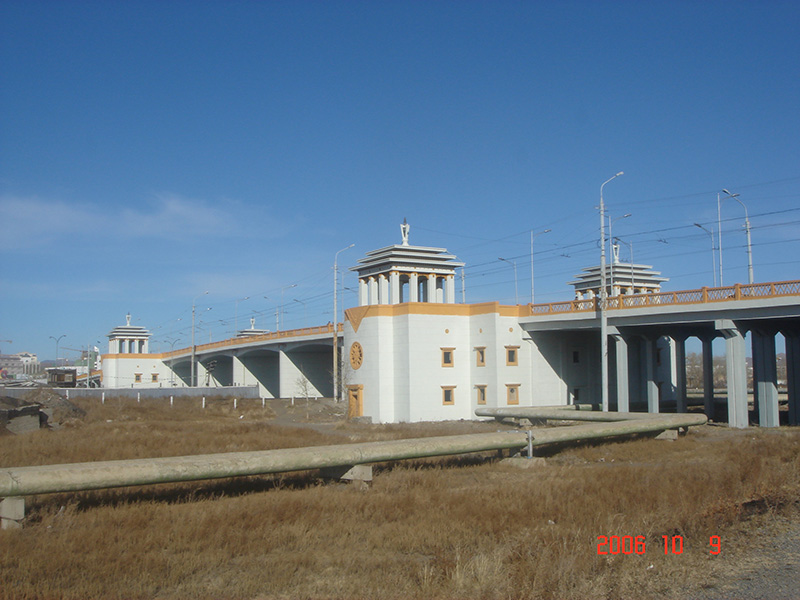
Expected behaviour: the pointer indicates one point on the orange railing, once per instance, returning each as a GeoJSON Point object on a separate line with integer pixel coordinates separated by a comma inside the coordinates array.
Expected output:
{"type": "Point", "coordinates": [739, 291]}
{"type": "Point", "coordinates": [273, 335]}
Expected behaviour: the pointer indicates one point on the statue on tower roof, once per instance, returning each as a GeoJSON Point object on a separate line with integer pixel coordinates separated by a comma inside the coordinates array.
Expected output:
{"type": "Point", "coordinates": [404, 229]}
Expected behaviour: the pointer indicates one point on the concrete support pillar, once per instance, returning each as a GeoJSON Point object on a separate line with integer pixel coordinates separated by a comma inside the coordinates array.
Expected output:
{"type": "Point", "coordinates": [12, 512]}
{"type": "Point", "coordinates": [623, 386]}
{"type": "Point", "coordinates": [450, 289]}
{"type": "Point", "coordinates": [793, 374]}
{"type": "Point", "coordinates": [394, 287]}
{"type": "Point", "coordinates": [431, 289]}
{"type": "Point", "coordinates": [363, 292]}
{"type": "Point", "coordinates": [383, 289]}
{"type": "Point", "coordinates": [373, 291]}
{"type": "Point", "coordinates": [200, 373]}
{"type": "Point", "coordinates": [680, 373]}
{"type": "Point", "coordinates": [708, 375]}
{"type": "Point", "coordinates": [413, 288]}
{"type": "Point", "coordinates": [736, 370]}
{"type": "Point", "coordinates": [765, 378]}
{"type": "Point", "coordinates": [651, 388]}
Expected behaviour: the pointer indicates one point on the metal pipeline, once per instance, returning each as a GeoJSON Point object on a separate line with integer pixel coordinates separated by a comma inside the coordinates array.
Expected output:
{"type": "Point", "coordinates": [565, 413]}
{"type": "Point", "coordinates": [22, 481]}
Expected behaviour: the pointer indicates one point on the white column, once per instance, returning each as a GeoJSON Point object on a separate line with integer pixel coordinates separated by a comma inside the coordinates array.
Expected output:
{"type": "Point", "coordinates": [680, 372]}
{"type": "Point", "coordinates": [430, 293]}
{"type": "Point", "coordinates": [413, 288]}
{"type": "Point", "coordinates": [623, 392]}
{"type": "Point", "coordinates": [765, 378]}
{"type": "Point", "coordinates": [373, 291]}
{"type": "Point", "coordinates": [736, 369]}
{"type": "Point", "coordinates": [650, 375]}
{"type": "Point", "coordinates": [450, 289]}
{"type": "Point", "coordinates": [383, 289]}
{"type": "Point", "coordinates": [394, 287]}
{"type": "Point", "coordinates": [363, 293]}
{"type": "Point", "coordinates": [708, 376]}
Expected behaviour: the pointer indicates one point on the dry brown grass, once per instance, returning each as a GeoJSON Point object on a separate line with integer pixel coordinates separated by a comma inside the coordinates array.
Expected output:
{"type": "Point", "coordinates": [449, 528]}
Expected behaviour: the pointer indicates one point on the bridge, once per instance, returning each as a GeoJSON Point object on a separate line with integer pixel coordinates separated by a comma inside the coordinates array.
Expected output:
{"type": "Point", "coordinates": [282, 363]}
{"type": "Point", "coordinates": [299, 362]}
{"type": "Point", "coordinates": [636, 322]}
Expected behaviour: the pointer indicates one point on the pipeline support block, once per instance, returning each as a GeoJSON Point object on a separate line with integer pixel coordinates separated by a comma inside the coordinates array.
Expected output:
{"type": "Point", "coordinates": [12, 512]}
{"type": "Point", "coordinates": [357, 474]}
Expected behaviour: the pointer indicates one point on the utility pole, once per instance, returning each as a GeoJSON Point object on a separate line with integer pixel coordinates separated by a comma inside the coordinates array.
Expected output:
{"type": "Point", "coordinates": [336, 323]}
{"type": "Point", "coordinates": [193, 382]}
{"type": "Point", "coordinates": [602, 302]}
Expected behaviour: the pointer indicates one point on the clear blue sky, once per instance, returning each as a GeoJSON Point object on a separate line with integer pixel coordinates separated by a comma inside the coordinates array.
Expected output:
{"type": "Point", "coordinates": [150, 151]}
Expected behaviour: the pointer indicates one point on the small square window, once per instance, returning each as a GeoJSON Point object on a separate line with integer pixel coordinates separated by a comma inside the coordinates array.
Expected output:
{"type": "Point", "coordinates": [448, 395]}
{"type": "Point", "coordinates": [512, 356]}
{"type": "Point", "coordinates": [137, 378]}
{"type": "Point", "coordinates": [154, 378]}
{"type": "Point", "coordinates": [481, 393]}
{"type": "Point", "coordinates": [448, 360]}
{"type": "Point", "coordinates": [480, 357]}
{"type": "Point", "coordinates": [512, 394]}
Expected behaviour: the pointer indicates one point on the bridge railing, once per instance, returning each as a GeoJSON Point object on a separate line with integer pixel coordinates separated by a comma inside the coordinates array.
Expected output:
{"type": "Point", "coordinates": [273, 335]}
{"type": "Point", "coordinates": [739, 291]}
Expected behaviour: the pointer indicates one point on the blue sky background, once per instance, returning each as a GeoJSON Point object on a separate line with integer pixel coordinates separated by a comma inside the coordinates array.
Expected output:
{"type": "Point", "coordinates": [150, 151]}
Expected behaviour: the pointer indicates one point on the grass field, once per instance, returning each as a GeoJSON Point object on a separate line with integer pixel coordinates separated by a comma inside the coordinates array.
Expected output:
{"type": "Point", "coordinates": [462, 527]}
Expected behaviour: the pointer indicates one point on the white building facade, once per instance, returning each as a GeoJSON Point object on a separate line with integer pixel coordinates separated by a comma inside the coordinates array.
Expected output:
{"type": "Point", "coordinates": [129, 363]}
{"type": "Point", "coordinates": [412, 354]}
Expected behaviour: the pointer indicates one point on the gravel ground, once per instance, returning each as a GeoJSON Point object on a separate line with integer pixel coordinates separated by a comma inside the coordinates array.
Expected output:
{"type": "Point", "coordinates": [766, 566]}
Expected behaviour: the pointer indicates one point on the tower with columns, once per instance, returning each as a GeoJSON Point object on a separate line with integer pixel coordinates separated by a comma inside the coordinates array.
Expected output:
{"type": "Point", "coordinates": [404, 273]}
{"type": "Point", "coordinates": [128, 339]}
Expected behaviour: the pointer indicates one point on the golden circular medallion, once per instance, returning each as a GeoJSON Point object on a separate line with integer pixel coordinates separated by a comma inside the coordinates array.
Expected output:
{"type": "Point", "coordinates": [356, 355]}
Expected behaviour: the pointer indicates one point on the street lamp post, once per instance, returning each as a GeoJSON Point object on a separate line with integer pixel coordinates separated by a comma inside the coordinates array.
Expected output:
{"type": "Point", "coordinates": [283, 289]}
{"type": "Point", "coordinates": [192, 381]}
{"type": "Point", "coordinates": [630, 247]}
{"type": "Point", "coordinates": [171, 369]}
{"type": "Point", "coordinates": [513, 264]}
{"type": "Point", "coordinates": [747, 230]}
{"type": "Point", "coordinates": [305, 312]}
{"type": "Point", "coordinates": [58, 339]}
{"type": "Point", "coordinates": [533, 237]}
{"type": "Point", "coordinates": [602, 301]}
{"type": "Point", "coordinates": [236, 315]}
{"type": "Point", "coordinates": [611, 242]}
{"type": "Point", "coordinates": [713, 251]}
{"type": "Point", "coordinates": [336, 323]}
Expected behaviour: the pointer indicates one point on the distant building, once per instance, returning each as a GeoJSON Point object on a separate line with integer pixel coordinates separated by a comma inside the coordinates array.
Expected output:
{"type": "Point", "coordinates": [129, 362]}
{"type": "Point", "coordinates": [621, 278]}
{"type": "Point", "coordinates": [15, 366]}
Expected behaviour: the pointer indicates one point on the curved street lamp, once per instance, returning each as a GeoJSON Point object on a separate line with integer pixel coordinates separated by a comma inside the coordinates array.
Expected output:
{"type": "Point", "coordinates": [58, 339]}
